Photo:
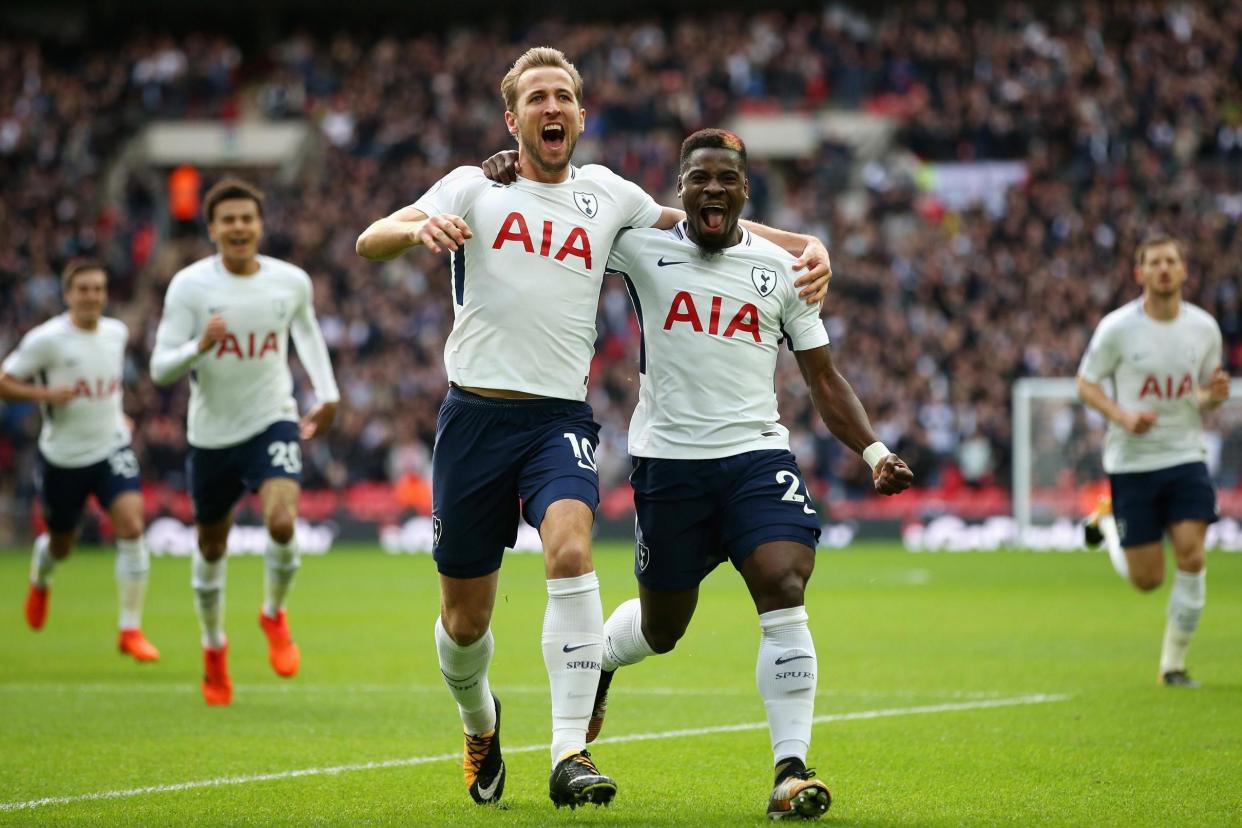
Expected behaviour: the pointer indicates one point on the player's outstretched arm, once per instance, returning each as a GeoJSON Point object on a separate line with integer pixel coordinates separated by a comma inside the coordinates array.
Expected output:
{"type": "Point", "coordinates": [845, 417]}
{"type": "Point", "coordinates": [13, 389]}
{"type": "Point", "coordinates": [1135, 422]}
{"type": "Point", "coordinates": [313, 351]}
{"type": "Point", "coordinates": [409, 227]}
{"type": "Point", "coordinates": [503, 168]}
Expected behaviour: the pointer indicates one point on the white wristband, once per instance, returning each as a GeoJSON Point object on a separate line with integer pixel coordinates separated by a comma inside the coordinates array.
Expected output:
{"type": "Point", "coordinates": [874, 453]}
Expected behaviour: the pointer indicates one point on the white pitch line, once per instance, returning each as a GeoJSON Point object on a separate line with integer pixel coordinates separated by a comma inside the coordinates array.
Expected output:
{"type": "Point", "coordinates": [1038, 698]}
{"type": "Point", "coordinates": [185, 689]}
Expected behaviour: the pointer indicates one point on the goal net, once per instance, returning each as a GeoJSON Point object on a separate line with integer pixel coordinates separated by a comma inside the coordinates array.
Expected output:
{"type": "Point", "coordinates": [1057, 468]}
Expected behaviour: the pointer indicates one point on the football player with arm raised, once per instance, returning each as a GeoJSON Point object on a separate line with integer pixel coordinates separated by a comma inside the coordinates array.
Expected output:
{"type": "Point", "coordinates": [227, 322]}
{"type": "Point", "coordinates": [515, 431]}
{"type": "Point", "coordinates": [713, 476]}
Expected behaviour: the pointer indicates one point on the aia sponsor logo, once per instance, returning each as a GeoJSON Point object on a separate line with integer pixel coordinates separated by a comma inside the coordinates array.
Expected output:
{"type": "Point", "coordinates": [249, 346]}
{"type": "Point", "coordinates": [97, 388]}
{"type": "Point", "coordinates": [684, 311]}
{"type": "Point", "coordinates": [1152, 387]}
{"type": "Point", "coordinates": [514, 230]}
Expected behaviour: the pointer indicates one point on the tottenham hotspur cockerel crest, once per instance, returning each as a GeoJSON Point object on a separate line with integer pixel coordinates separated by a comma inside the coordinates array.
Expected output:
{"type": "Point", "coordinates": [764, 279]}
{"type": "Point", "coordinates": [587, 203]}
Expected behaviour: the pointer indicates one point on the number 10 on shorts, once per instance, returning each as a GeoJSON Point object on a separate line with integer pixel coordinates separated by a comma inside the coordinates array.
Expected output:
{"type": "Point", "coordinates": [583, 451]}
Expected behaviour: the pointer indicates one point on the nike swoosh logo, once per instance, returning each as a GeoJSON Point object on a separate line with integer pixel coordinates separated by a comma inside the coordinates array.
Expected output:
{"type": "Point", "coordinates": [489, 791]}
{"type": "Point", "coordinates": [662, 263]}
{"type": "Point", "coordinates": [569, 649]}
{"type": "Point", "coordinates": [786, 660]}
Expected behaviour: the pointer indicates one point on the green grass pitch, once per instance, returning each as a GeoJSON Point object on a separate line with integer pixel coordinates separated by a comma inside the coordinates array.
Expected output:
{"type": "Point", "coordinates": [1004, 688]}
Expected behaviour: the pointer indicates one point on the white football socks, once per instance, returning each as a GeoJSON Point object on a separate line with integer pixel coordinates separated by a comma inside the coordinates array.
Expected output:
{"type": "Point", "coordinates": [786, 673]}
{"type": "Point", "coordinates": [1186, 600]}
{"type": "Point", "coordinates": [281, 562]}
{"type": "Point", "coordinates": [573, 644]}
{"type": "Point", "coordinates": [624, 642]}
{"type": "Point", "coordinates": [465, 673]}
{"type": "Point", "coordinates": [41, 562]}
{"type": "Point", "coordinates": [1112, 542]}
{"type": "Point", "coordinates": [207, 578]}
{"type": "Point", "coordinates": [132, 567]}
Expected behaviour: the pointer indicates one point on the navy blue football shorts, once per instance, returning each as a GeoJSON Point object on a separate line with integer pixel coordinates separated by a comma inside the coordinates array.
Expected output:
{"type": "Point", "coordinates": [1146, 503]}
{"type": "Point", "coordinates": [220, 476]}
{"type": "Point", "coordinates": [63, 491]}
{"type": "Point", "coordinates": [692, 514]}
{"type": "Point", "coordinates": [497, 458]}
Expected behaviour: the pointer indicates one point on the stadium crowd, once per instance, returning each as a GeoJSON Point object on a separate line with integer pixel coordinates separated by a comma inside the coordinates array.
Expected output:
{"type": "Point", "coordinates": [1127, 117]}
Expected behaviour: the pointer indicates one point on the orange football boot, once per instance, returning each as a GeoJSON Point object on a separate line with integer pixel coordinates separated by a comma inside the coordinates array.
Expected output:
{"type": "Point", "coordinates": [133, 642]}
{"type": "Point", "coordinates": [281, 651]}
{"type": "Point", "coordinates": [217, 686]}
{"type": "Point", "coordinates": [36, 606]}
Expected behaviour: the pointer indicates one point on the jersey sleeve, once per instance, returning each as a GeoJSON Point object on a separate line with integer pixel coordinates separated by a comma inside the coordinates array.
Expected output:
{"type": "Point", "coordinates": [30, 357]}
{"type": "Point", "coordinates": [637, 208]}
{"type": "Point", "coordinates": [176, 339]}
{"type": "Point", "coordinates": [621, 256]}
{"type": "Point", "coordinates": [800, 322]}
{"type": "Point", "coordinates": [454, 193]}
{"type": "Point", "coordinates": [1103, 354]}
{"type": "Point", "coordinates": [1212, 357]}
{"type": "Point", "coordinates": [312, 350]}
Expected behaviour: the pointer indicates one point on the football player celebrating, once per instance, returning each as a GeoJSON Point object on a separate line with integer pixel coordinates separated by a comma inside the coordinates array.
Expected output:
{"type": "Point", "coordinates": [713, 475]}
{"type": "Point", "coordinates": [527, 264]}
{"type": "Point", "coordinates": [84, 449]}
{"type": "Point", "coordinates": [227, 321]}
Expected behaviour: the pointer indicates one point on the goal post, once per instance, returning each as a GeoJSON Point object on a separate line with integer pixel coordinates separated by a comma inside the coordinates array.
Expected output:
{"type": "Point", "coordinates": [1058, 442]}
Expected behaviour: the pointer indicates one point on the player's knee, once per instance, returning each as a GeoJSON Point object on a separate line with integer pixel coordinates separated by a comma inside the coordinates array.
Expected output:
{"type": "Point", "coordinates": [280, 524]}
{"type": "Point", "coordinates": [662, 640]}
{"type": "Point", "coordinates": [788, 589]}
{"type": "Point", "coordinates": [212, 547]}
{"type": "Point", "coordinates": [1192, 561]}
{"type": "Point", "coordinates": [569, 559]}
{"type": "Point", "coordinates": [1147, 580]}
{"type": "Point", "coordinates": [128, 527]}
{"type": "Point", "coordinates": [465, 628]}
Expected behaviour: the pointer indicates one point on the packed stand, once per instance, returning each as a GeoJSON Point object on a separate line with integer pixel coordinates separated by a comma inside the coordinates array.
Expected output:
{"type": "Point", "coordinates": [1126, 117]}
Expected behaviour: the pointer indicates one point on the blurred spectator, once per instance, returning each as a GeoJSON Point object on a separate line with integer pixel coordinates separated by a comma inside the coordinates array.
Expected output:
{"type": "Point", "coordinates": [1126, 117]}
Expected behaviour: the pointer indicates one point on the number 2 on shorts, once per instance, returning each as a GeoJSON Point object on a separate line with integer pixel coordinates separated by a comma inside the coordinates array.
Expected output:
{"type": "Point", "coordinates": [791, 494]}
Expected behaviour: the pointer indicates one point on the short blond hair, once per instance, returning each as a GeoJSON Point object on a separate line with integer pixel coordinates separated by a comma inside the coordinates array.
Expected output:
{"type": "Point", "coordinates": [534, 58]}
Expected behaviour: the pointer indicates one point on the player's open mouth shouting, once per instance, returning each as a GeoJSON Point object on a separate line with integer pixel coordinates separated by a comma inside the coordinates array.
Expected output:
{"type": "Point", "coordinates": [553, 136]}
{"type": "Point", "coordinates": [713, 216]}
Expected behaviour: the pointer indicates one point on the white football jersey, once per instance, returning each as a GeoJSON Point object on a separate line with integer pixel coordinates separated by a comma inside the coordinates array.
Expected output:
{"type": "Point", "coordinates": [711, 330]}
{"type": "Point", "coordinates": [526, 285]}
{"type": "Point", "coordinates": [242, 384]}
{"type": "Point", "coordinates": [91, 426]}
{"type": "Point", "coordinates": [1155, 366]}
